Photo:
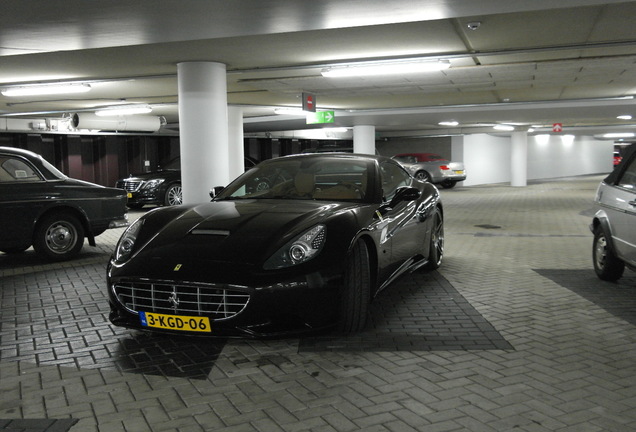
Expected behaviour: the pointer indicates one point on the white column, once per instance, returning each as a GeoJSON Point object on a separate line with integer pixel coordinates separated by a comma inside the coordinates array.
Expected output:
{"type": "Point", "coordinates": [519, 159]}
{"type": "Point", "coordinates": [235, 131]}
{"type": "Point", "coordinates": [457, 151]}
{"type": "Point", "coordinates": [203, 129]}
{"type": "Point", "coordinates": [364, 139]}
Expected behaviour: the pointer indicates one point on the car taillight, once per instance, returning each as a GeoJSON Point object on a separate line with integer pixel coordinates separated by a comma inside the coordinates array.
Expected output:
{"type": "Point", "coordinates": [444, 167]}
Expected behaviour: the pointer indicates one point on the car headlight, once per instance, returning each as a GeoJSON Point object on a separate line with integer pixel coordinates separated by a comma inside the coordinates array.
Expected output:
{"type": "Point", "coordinates": [300, 250]}
{"type": "Point", "coordinates": [126, 243]}
{"type": "Point", "coordinates": [152, 184]}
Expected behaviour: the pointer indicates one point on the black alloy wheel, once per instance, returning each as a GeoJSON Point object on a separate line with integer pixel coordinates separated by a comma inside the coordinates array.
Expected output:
{"type": "Point", "coordinates": [436, 242]}
{"type": "Point", "coordinates": [356, 292]}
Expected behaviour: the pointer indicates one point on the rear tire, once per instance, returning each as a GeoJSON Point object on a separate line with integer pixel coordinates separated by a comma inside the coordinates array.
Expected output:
{"type": "Point", "coordinates": [606, 265]}
{"type": "Point", "coordinates": [356, 292]}
{"type": "Point", "coordinates": [436, 243]}
{"type": "Point", "coordinates": [449, 184]}
{"type": "Point", "coordinates": [58, 237]}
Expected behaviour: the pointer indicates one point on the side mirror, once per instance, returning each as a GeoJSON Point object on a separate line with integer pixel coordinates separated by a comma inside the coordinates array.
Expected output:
{"type": "Point", "coordinates": [404, 193]}
{"type": "Point", "coordinates": [215, 191]}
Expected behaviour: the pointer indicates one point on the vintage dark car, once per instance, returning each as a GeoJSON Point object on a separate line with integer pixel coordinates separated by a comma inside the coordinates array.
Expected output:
{"type": "Point", "coordinates": [42, 207]}
{"type": "Point", "coordinates": [161, 187]}
{"type": "Point", "coordinates": [307, 253]}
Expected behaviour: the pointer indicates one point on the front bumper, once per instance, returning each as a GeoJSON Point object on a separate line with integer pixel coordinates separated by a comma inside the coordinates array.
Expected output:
{"type": "Point", "coordinates": [150, 196]}
{"type": "Point", "coordinates": [298, 305]}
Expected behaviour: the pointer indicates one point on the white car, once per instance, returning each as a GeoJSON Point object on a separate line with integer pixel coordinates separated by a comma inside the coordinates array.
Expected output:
{"type": "Point", "coordinates": [614, 224]}
{"type": "Point", "coordinates": [433, 168]}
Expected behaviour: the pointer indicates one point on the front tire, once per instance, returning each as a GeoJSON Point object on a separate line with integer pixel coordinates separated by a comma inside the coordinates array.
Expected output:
{"type": "Point", "coordinates": [606, 265]}
{"type": "Point", "coordinates": [174, 195]}
{"type": "Point", "coordinates": [436, 243]}
{"type": "Point", "coordinates": [59, 237]}
{"type": "Point", "coordinates": [356, 292]}
{"type": "Point", "coordinates": [423, 176]}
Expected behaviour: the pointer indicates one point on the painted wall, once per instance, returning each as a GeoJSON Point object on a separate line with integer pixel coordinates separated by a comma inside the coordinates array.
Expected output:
{"type": "Point", "coordinates": [488, 157]}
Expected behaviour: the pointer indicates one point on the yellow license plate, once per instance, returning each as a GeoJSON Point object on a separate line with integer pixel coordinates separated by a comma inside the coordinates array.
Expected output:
{"type": "Point", "coordinates": [175, 322]}
{"type": "Point", "coordinates": [129, 195]}
{"type": "Point", "coordinates": [459, 172]}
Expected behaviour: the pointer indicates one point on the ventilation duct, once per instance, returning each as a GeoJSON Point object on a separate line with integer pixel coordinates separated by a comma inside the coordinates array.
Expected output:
{"type": "Point", "coordinates": [136, 123]}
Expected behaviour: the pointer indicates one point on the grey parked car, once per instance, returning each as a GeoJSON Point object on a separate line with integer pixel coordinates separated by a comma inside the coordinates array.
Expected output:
{"type": "Point", "coordinates": [614, 224]}
{"type": "Point", "coordinates": [433, 168]}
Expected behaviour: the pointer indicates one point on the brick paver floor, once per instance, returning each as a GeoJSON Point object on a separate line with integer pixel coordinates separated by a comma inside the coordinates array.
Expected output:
{"type": "Point", "coordinates": [513, 333]}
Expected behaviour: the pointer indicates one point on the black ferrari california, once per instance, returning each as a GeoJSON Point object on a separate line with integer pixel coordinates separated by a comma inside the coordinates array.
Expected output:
{"type": "Point", "coordinates": [296, 244]}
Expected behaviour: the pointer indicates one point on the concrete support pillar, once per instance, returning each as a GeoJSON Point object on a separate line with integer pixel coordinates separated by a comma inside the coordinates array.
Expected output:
{"type": "Point", "coordinates": [457, 151]}
{"type": "Point", "coordinates": [364, 139]}
{"type": "Point", "coordinates": [203, 129]}
{"type": "Point", "coordinates": [519, 159]}
{"type": "Point", "coordinates": [236, 149]}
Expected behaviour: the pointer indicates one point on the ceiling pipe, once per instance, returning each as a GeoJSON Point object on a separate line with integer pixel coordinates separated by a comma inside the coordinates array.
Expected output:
{"type": "Point", "coordinates": [137, 123]}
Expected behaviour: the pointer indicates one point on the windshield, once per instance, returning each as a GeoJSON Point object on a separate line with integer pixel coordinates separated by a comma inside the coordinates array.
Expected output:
{"type": "Point", "coordinates": [331, 179]}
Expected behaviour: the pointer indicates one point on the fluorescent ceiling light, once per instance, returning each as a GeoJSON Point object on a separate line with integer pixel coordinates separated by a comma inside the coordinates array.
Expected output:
{"type": "Point", "coordinates": [397, 67]}
{"type": "Point", "coordinates": [502, 127]}
{"type": "Point", "coordinates": [289, 111]}
{"type": "Point", "coordinates": [124, 110]}
{"type": "Point", "coordinates": [448, 123]}
{"type": "Point", "coordinates": [624, 117]}
{"type": "Point", "coordinates": [619, 135]}
{"type": "Point", "coordinates": [45, 89]}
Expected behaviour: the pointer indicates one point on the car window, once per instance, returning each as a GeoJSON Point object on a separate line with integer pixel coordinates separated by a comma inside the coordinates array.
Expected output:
{"type": "Point", "coordinates": [393, 176]}
{"type": "Point", "coordinates": [16, 170]}
{"type": "Point", "coordinates": [330, 179]}
{"type": "Point", "coordinates": [628, 179]}
{"type": "Point", "coordinates": [406, 159]}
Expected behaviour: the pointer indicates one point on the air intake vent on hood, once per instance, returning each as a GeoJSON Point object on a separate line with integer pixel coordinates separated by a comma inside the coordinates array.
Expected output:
{"type": "Point", "coordinates": [213, 232]}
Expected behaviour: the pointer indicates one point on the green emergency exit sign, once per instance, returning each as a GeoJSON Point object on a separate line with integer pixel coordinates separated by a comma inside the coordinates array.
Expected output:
{"type": "Point", "coordinates": [320, 117]}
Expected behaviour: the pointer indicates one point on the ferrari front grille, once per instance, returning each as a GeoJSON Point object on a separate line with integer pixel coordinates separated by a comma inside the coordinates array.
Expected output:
{"type": "Point", "coordinates": [218, 302]}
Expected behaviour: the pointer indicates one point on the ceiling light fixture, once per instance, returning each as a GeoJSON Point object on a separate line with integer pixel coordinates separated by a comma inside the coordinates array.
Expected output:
{"type": "Point", "coordinates": [448, 123]}
{"type": "Point", "coordinates": [619, 135]}
{"type": "Point", "coordinates": [506, 128]}
{"type": "Point", "coordinates": [124, 110]}
{"type": "Point", "coordinates": [289, 111]}
{"type": "Point", "coordinates": [624, 117]}
{"type": "Point", "coordinates": [46, 89]}
{"type": "Point", "coordinates": [385, 68]}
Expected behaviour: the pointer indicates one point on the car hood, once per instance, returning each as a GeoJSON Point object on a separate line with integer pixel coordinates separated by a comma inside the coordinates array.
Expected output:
{"type": "Point", "coordinates": [245, 231]}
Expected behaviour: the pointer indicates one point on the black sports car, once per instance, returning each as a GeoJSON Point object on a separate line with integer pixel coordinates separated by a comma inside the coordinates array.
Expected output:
{"type": "Point", "coordinates": [307, 252]}
{"type": "Point", "coordinates": [161, 187]}
{"type": "Point", "coordinates": [42, 207]}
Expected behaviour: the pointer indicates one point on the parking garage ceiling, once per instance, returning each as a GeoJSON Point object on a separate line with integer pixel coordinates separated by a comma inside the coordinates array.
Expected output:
{"type": "Point", "coordinates": [527, 63]}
